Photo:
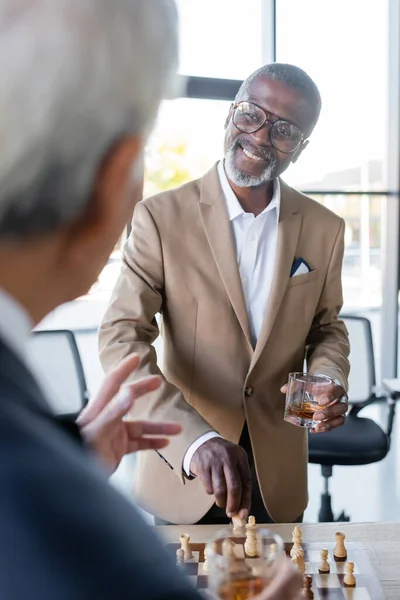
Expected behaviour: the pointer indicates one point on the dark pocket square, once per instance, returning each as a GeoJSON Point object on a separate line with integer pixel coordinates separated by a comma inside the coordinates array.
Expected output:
{"type": "Point", "coordinates": [299, 267]}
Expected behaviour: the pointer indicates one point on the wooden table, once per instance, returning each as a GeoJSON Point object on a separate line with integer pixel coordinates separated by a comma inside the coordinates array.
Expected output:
{"type": "Point", "coordinates": [380, 540]}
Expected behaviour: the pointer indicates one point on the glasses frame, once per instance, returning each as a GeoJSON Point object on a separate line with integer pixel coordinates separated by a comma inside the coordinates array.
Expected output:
{"type": "Point", "coordinates": [272, 123]}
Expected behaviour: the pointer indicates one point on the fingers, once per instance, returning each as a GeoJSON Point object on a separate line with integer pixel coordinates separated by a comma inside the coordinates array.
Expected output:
{"type": "Point", "coordinates": [326, 426]}
{"type": "Point", "coordinates": [284, 388]}
{"type": "Point", "coordinates": [234, 490]}
{"type": "Point", "coordinates": [328, 393]}
{"type": "Point", "coordinates": [332, 411]}
{"type": "Point", "coordinates": [116, 409]}
{"type": "Point", "coordinates": [224, 470]}
{"type": "Point", "coordinates": [138, 429]}
{"type": "Point", "coordinates": [206, 479]}
{"type": "Point", "coordinates": [220, 485]}
{"type": "Point", "coordinates": [244, 470]}
{"type": "Point", "coordinates": [109, 389]}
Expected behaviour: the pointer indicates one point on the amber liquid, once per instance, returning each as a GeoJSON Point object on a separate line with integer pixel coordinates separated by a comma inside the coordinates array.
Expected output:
{"type": "Point", "coordinates": [305, 411]}
{"type": "Point", "coordinates": [242, 589]}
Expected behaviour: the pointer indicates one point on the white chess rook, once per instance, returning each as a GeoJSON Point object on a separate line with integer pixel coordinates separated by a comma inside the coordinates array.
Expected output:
{"type": "Point", "coordinates": [185, 545]}
{"type": "Point", "coordinates": [340, 552]}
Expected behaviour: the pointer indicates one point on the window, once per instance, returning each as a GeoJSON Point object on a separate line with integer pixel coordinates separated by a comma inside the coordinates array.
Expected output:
{"type": "Point", "coordinates": [214, 42]}
{"type": "Point", "coordinates": [343, 46]}
{"type": "Point", "coordinates": [187, 141]}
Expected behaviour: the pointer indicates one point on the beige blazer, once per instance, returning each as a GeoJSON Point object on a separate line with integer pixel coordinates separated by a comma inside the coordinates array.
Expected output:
{"type": "Point", "coordinates": [180, 261]}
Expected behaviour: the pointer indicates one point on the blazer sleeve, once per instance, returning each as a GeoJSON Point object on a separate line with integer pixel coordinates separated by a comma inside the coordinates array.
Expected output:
{"type": "Point", "coordinates": [328, 347]}
{"type": "Point", "coordinates": [129, 325]}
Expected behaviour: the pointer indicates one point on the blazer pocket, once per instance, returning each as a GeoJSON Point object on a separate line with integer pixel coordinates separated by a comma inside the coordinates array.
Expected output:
{"type": "Point", "coordinates": [305, 278]}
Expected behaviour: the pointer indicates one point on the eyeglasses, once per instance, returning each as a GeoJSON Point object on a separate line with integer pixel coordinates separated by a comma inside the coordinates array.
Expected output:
{"type": "Point", "coordinates": [284, 136]}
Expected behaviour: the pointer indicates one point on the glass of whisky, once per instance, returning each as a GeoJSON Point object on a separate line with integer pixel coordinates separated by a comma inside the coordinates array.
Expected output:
{"type": "Point", "coordinates": [241, 566]}
{"type": "Point", "coordinates": [302, 397]}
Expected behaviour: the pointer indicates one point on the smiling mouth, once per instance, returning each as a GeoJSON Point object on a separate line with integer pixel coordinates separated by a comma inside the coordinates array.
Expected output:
{"type": "Point", "coordinates": [252, 156]}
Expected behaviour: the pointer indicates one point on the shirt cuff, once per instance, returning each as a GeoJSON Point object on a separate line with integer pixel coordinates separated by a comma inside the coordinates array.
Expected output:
{"type": "Point", "coordinates": [192, 449]}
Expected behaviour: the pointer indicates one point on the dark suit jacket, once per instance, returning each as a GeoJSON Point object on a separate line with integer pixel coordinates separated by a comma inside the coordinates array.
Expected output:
{"type": "Point", "coordinates": [65, 533]}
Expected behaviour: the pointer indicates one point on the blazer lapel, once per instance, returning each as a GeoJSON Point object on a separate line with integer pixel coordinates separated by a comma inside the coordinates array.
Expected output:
{"type": "Point", "coordinates": [215, 218]}
{"type": "Point", "coordinates": [288, 234]}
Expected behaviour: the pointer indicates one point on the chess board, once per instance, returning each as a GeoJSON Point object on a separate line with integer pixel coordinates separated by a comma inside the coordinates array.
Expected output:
{"type": "Point", "coordinates": [325, 586]}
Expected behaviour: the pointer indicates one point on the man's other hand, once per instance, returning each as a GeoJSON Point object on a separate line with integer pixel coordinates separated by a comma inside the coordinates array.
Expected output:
{"type": "Point", "coordinates": [223, 468]}
{"type": "Point", "coordinates": [285, 585]}
{"type": "Point", "coordinates": [333, 407]}
{"type": "Point", "coordinates": [102, 422]}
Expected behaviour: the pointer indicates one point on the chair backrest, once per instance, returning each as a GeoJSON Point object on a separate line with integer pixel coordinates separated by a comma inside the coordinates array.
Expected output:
{"type": "Point", "coordinates": [362, 362]}
{"type": "Point", "coordinates": [55, 357]}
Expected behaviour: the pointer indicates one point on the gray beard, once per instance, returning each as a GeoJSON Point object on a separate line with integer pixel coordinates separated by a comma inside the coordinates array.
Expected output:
{"type": "Point", "coordinates": [244, 179]}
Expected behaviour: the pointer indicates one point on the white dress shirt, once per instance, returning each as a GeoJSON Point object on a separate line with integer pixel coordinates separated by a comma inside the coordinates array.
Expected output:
{"type": "Point", "coordinates": [256, 242]}
{"type": "Point", "coordinates": [15, 325]}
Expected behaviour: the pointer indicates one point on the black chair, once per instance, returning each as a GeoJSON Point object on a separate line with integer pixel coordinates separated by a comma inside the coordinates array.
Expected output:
{"type": "Point", "coordinates": [361, 441]}
{"type": "Point", "coordinates": [55, 357]}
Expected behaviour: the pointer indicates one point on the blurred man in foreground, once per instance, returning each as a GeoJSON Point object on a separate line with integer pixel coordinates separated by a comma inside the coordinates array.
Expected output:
{"type": "Point", "coordinates": [81, 84]}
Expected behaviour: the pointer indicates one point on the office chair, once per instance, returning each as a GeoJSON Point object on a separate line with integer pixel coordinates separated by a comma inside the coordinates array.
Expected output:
{"type": "Point", "coordinates": [55, 357]}
{"type": "Point", "coordinates": [360, 441]}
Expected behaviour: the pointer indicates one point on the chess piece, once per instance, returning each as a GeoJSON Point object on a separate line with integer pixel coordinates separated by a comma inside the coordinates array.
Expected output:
{"type": "Point", "coordinates": [185, 545]}
{"type": "Point", "coordinates": [324, 566]}
{"type": "Point", "coordinates": [228, 549]}
{"type": "Point", "coordinates": [296, 539]}
{"type": "Point", "coordinates": [180, 557]}
{"type": "Point", "coordinates": [238, 525]}
{"type": "Point", "coordinates": [251, 521]}
{"type": "Point", "coordinates": [250, 545]}
{"type": "Point", "coordinates": [340, 552]}
{"type": "Point", "coordinates": [205, 563]}
{"type": "Point", "coordinates": [307, 592]}
{"type": "Point", "coordinates": [349, 580]}
{"type": "Point", "coordinates": [298, 559]}
{"type": "Point", "coordinates": [272, 552]}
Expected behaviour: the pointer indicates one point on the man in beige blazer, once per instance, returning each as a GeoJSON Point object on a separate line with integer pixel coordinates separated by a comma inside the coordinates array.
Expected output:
{"type": "Point", "coordinates": [246, 274]}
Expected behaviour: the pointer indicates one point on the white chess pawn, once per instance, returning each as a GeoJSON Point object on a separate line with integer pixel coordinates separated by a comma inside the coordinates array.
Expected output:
{"type": "Point", "coordinates": [349, 579]}
{"type": "Point", "coordinates": [228, 549]}
{"type": "Point", "coordinates": [238, 525]}
{"type": "Point", "coordinates": [272, 551]}
{"type": "Point", "coordinates": [205, 563]}
{"type": "Point", "coordinates": [324, 566]}
{"type": "Point", "coordinates": [180, 557]}
{"type": "Point", "coordinates": [185, 545]}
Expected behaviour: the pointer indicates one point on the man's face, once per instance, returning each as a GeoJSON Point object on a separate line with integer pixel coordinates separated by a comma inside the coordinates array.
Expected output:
{"type": "Point", "coordinates": [251, 159]}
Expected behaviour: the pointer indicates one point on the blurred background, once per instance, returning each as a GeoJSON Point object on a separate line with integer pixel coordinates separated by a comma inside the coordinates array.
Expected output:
{"type": "Point", "coordinates": [351, 50]}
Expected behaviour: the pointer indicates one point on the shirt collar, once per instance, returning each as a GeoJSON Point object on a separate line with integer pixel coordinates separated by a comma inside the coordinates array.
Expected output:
{"type": "Point", "coordinates": [15, 324]}
{"type": "Point", "coordinates": [234, 207]}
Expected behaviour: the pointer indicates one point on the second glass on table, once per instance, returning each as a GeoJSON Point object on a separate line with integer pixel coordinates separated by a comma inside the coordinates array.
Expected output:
{"type": "Point", "coordinates": [240, 567]}
{"type": "Point", "coordinates": [303, 396]}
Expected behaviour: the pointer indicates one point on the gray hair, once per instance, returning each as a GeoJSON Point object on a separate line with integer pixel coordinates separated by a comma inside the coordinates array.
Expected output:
{"type": "Point", "coordinates": [76, 75]}
{"type": "Point", "coordinates": [293, 77]}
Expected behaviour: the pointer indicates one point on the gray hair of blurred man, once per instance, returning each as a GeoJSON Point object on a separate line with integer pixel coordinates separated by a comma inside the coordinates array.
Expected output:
{"type": "Point", "coordinates": [76, 76]}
